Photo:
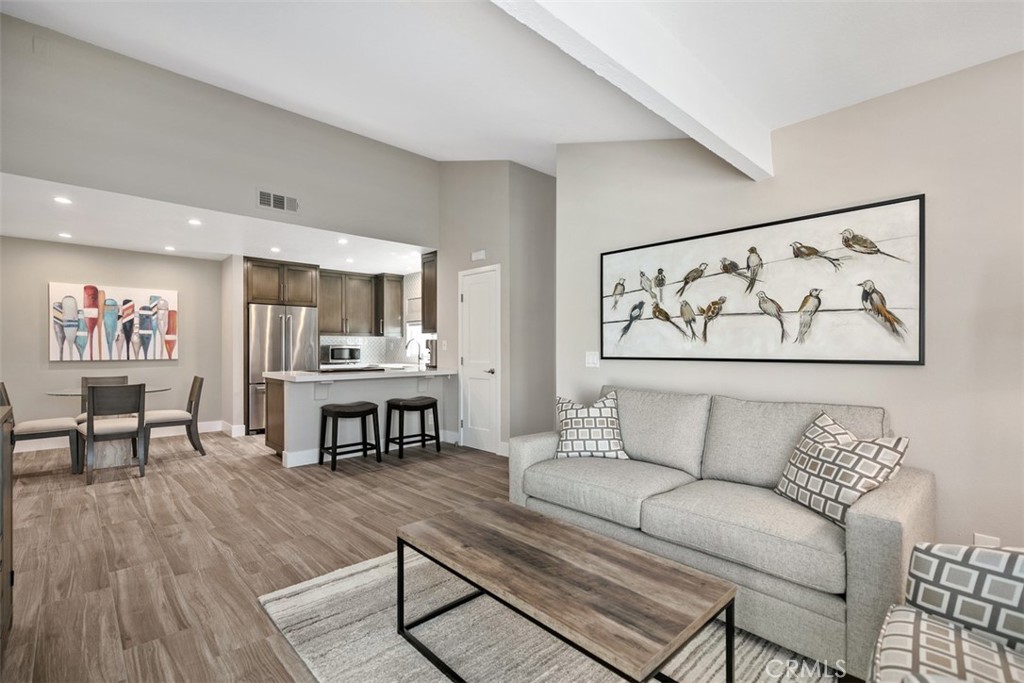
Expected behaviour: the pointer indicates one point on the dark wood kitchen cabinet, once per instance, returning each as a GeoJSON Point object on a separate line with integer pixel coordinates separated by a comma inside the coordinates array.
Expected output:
{"type": "Point", "coordinates": [389, 300]}
{"type": "Point", "coordinates": [429, 302]}
{"type": "Point", "coordinates": [347, 304]}
{"type": "Point", "coordinates": [279, 282]}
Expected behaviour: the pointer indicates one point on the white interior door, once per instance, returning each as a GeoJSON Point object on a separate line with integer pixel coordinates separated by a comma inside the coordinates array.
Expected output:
{"type": "Point", "coordinates": [479, 356]}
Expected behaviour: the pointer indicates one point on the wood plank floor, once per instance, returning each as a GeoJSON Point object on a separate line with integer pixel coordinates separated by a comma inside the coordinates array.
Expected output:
{"type": "Point", "coordinates": [156, 579]}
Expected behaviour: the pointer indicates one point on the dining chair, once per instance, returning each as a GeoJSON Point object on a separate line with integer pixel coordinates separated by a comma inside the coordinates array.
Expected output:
{"type": "Point", "coordinates": [97, 381]}
{"type": "Point", "coordinates": [188, 418]}
{"type": "Point", "coordinates": [109, 401]}
{"type": "Point", "coordinates": [46, 428]}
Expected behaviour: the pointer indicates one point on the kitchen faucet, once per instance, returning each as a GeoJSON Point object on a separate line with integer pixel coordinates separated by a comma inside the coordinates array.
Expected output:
{"type": "Point", "coordinates": [419, 350]}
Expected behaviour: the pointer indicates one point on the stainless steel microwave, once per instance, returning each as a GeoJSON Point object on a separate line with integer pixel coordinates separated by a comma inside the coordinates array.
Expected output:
{"type": "Point", "coordinates": [330, 354]}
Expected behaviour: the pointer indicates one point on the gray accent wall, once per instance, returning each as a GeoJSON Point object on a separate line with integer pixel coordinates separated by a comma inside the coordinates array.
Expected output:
{"type": "Point", "coordinates": [26, 269]}
{"type": "Point", "coordinates": [79, 114]}
{"type": "Point", "coordinates": [958, 139]}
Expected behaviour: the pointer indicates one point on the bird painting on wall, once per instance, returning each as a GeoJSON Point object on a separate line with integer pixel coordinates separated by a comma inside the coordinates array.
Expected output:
{"type": "Point", "coordinates": [754, 265]}
{"type": "Point", "coordinates": [691, 277]}
{"type": "Point", "coordinates": [688, 316]}
{"type": "Point", "coordinates": [730, 267]}
{"type": "Point", "coordinates": [663, 315]}
{"type": "Point", "coordinates": [646, 285]}
{"type": "Point", "coordinates": [807, 252]}
{"type": "Point", "coordinates": [618, 291]}
{"type": "Point", "coordinates": [808, 307]}
{"type": "Point", "coordinates": [710, 312]}
{"type": "Point", "coordinates": [873, 301]}
{"type": "Point", "coordinates": [771, 307]}
{"type": "Point", "coordinates": [659, 282]}
{"type": "Point", "coordinates": [859, 244]}
{"type": "Point", "coordinates": [634, 315]}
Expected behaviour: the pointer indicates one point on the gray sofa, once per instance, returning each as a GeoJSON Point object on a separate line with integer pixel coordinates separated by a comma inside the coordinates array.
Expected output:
{"type": "Point", "coordinates": [698, 489]}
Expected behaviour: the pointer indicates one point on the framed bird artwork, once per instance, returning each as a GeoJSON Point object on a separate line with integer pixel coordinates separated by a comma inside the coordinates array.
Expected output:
{"type": "Point", "coordinates": [840, 286]}
{"type": "Point", "coordinates": [107, 323]}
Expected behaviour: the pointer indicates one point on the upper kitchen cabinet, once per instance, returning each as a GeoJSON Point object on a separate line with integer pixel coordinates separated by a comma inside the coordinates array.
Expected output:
{"type": "Point", "coordinates": [389, 301]}
{"type": "Point", "coordinates": [347, 304]}
{"type": "Point", "coordinates": [277, 282]}
{"type": "Point", "coordinates": [429, 295]}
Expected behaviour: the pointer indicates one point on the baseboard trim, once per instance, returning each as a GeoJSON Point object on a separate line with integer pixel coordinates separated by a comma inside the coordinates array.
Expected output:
{"type": "Point", "coordinates": [503, 449]}
{"type": "Point", "coordinates": [32, 445]}
{"type": "Point", "coordinates": [234, 431]}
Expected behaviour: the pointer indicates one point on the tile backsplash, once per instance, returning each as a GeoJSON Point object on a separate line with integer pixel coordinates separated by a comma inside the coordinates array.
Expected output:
{"type": "Point", "coordinates": [375, 349]}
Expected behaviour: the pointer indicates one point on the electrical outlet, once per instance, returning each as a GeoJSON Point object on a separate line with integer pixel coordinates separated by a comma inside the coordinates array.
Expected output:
{"type": "Point", "coordinates": [592, 359]}
{"type": "Point", "coordinates": [986, 541]}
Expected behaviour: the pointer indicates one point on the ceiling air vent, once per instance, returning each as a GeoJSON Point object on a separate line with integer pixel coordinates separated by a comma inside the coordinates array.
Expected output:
{"type": "Point", "coordinates": [280, 202]}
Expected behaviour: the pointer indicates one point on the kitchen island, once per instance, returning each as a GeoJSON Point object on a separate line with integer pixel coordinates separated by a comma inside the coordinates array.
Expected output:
{"type": "Point", "coordinates": [294, 400]}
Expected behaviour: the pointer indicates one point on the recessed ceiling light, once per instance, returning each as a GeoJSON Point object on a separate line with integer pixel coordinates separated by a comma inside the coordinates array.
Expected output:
{"type": "Point", "coordinates": [168, 248]}
{"type": "Point", "coordinates": [194, 221]}
{"type": "Point", "coordinates": [62, 200]}
{"type": "Point", "coordinates": [275, 250]}
{"type": "Point", "coordinates": [350, 260]}
{"type": "Point", "coordinates": [65, 235]}
{"type": "Point", "coordinates": [342, 240]}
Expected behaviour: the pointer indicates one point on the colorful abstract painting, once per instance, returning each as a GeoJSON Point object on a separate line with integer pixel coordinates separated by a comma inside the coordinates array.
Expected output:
{"type": "Point", "coordinates": [103, 323]}
{"type": "Point", "coordinates": [843, 286]}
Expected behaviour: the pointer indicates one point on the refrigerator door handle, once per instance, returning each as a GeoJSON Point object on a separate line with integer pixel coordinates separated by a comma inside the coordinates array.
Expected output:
{"type": "Point", "coordinates": [284, 345]}
{"type": "Point", "coordinates": [291, 340]}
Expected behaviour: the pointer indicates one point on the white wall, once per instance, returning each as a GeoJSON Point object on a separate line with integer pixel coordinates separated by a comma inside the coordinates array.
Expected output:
{"type": "Point", "coordinates": [26, 269]}
{"type": "Point", "coordinates": [232, 345]}
{"type": "Point", "coordinates": [86, 116]}
{"type": "Point", "coordinates": [958, 139]}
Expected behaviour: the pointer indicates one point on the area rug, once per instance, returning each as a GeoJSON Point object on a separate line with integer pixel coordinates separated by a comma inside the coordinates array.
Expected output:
{"type": "Point", "coordinates": [342, 625]}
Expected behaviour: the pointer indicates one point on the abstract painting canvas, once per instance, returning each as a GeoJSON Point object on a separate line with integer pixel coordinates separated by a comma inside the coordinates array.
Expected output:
{"type": "Point", "coordinates": [98, 322]}
{"type": "Point", "coordinates": [842, 286]}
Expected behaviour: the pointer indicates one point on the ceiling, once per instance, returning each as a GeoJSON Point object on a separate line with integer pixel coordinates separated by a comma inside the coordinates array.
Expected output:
{"type": "Point", "coordinates": [464, 80]}
{"type": "Point", "coordinates": [118, 221]}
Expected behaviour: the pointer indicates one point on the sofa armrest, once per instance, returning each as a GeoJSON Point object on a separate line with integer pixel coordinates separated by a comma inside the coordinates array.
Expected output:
{"type": "Point", "coordinates": [524, 451]}
{"type": "Point", "coordinates": [881, 531]}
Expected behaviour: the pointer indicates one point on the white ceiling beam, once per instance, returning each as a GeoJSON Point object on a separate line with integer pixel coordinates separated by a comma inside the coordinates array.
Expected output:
{"type": "Point", "coordinates": [627, 46]}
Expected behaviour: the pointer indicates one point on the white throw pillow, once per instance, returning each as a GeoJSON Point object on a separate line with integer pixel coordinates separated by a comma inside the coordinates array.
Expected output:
{"type": "Point", "coordinates": [590, 432]}
{"type": "Point", "coordinates": [831, 469]}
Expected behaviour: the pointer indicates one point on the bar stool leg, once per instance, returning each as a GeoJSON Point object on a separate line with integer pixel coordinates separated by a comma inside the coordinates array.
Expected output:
{"type": "Point", "coordinates": [334, 443]}
{"type": "Point", "coordinates": [437, 429]}
{"type": "Point", "coordinates": [401, 434]}
{"type": "Point", "coordinates": [376, 435]}
{"type": "Point", "coordinates": [362, 429]}
{"type": "Point", "coordinates": [423, 428]}
{"type": "Point", "coordinates": [323, 435]}
{"type": "Point", "coordinates": [387, 430]}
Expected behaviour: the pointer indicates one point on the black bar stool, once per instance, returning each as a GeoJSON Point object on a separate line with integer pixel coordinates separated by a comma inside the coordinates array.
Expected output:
{"type": "Point", "coordinates": [420, 404]}
{"type": "Point", "coordinates": [341, 411]}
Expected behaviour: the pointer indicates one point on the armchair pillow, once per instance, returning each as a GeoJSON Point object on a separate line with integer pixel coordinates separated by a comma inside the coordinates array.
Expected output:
{"type": "Point", "coordinates": [590, 431]}
{"type": "Point", "coordinates": [830, 469]}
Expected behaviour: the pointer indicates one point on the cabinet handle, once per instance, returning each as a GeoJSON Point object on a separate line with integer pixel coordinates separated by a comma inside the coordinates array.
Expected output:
{"type": "Point", "coordinates": [382, 326]}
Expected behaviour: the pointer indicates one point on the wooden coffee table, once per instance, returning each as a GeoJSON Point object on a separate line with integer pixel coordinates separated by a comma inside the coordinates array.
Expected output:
{"type": "Point", "coordinates": [625, 608]}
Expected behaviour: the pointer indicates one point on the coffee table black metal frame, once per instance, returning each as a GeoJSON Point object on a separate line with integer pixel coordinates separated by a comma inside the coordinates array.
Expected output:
{"type": "Point", "coordinates": [404, 629]}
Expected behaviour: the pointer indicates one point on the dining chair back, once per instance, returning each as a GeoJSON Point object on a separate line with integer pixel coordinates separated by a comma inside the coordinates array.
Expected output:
{"type": "Point", "coordinates": [97, 381]}
{"type": "Point", "coordinates": [63, 427]}
{"type": "Point", "coordinates": [108, 401]}
{"type": "Point", "coordinates": [188, 418]}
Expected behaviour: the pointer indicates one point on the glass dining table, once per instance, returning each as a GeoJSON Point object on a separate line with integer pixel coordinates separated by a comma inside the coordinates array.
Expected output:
{"type": "Point", "coordinates": [109, 453]}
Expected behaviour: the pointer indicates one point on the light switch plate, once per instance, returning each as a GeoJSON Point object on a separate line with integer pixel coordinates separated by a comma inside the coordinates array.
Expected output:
{"type": "Point", "coordinates": [593, 359]}
{"type": "Point", "coordinates": [479, 255]}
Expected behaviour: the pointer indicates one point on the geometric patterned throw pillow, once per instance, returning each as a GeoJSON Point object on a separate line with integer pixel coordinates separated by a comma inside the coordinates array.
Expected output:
{"type": "Point", "coordinates": [590, 431]}
{"type": "Point", "coordinates": [831, 469]}
{"type": "Point", "coordinates": [980, 588]}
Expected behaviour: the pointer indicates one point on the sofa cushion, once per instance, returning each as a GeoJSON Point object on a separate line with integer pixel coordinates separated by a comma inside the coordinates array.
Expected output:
{"type": "Point", "coordinates": [662, 427]}
{"type": "Point", "coordinates": [830, 469]}
{"type": "Point", "coordinates": [589, 431]}
{"type": "Point", "coordinates": [753, 527]}
{"type": "Point", "coordinates": [606, 488]}
{"type": "Point", "coordinates": [750, 442]}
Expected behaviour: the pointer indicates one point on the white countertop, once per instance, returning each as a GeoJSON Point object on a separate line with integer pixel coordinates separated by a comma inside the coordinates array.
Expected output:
{"type": "Point", "coordinates": [388, 373]}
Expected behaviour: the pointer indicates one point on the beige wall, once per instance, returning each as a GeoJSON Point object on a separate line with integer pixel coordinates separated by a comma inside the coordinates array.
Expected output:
{"type": "Point", "coordinates": [86, 116]}
{"type": "Point", "coordinates": [27, 267]}
{"type": "Point", "coordinates": [960, 140]}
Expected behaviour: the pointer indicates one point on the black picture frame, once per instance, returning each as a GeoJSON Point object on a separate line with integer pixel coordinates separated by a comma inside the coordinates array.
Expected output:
{"type": "Point", "coordinates": [870, 308]}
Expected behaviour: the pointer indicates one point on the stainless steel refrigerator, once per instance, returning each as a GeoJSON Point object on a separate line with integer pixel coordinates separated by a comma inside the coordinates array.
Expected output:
{"type": "Point", "coordinates": [281, 339]}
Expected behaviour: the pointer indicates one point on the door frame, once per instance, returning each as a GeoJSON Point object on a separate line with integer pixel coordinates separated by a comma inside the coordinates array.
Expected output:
{"type": "Point", "coordinates": [501, 448]}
